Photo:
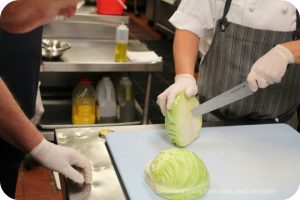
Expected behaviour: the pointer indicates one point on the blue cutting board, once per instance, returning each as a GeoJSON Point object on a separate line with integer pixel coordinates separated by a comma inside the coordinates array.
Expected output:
{"type": "Point", "coordinates": [257, 162]}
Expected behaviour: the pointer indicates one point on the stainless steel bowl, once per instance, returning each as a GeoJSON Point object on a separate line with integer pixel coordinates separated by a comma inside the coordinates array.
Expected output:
{"type": "Point", "coordinates": [54, 49]}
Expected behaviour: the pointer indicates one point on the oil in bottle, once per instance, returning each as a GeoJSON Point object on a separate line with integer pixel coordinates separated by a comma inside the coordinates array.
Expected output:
{"type": "Point", "coordinates": [121, 44]}
{"type": "Point", "coordinates": [84, 103]}
{"type": "Point", "coordinates": [125, 98]}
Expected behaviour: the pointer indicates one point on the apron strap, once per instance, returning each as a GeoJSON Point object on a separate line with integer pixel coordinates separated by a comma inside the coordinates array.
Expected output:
{"type": "Point", "coordinates": [223, 21]}
{"type": "Point", "coordinates": [296, 33]}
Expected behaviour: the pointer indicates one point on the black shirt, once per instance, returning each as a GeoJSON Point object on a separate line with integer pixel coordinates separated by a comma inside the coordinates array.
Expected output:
{"type": "Point", "coordinates": [20, 56]}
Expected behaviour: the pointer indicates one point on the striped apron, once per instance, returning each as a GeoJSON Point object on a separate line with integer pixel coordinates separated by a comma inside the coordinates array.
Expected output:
{"type": "Point", "coordinates": [233, 51]}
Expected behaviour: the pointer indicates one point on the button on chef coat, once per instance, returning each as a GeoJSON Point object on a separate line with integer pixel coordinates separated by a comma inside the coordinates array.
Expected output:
{"type": "Point", "coordinates": [3, 3]}
{"type": "Point", "coordinates": [200, 16]}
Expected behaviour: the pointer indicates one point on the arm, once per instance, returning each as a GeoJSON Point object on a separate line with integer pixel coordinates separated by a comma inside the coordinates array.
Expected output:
{"type": "Point", "coordinates": [17, 130]}
{"type": "Point", "coordinates": [294, 48]}
{"type": "Point", "coordinates": [24, 15]}
{"type": "Point", "coordinates": [185, 48]}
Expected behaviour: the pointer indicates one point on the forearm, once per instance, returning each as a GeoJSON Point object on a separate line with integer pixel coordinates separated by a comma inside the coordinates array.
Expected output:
{"type": "Point", "coordinates": [24, 15]}
{"type": "Point", "coordinates": [294, 48]}
{"type": "Point", "coordinates": [15, 127]}
{"type": "Point", "coordinates": [21, 16]}
{"type": "Point", "coordinates": [185, 49]}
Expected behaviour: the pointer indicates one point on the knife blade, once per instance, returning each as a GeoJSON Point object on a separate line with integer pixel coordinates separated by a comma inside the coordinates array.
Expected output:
{"type": "Point", "coordinates": [236, 93]}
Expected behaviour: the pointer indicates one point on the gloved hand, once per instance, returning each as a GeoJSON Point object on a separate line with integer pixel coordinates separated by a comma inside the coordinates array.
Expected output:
{"type": "Point", "coordinates": [63, 160]}
{"type": "Point", "coordinates": [183, 82]}
{"type": "Point", "coordinates": [39, 108]}
{"type": "Point", "coordinates": [270, 68]}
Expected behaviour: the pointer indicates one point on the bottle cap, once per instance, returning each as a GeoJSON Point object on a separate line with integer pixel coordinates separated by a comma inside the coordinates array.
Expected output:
{"type": "Point", "coordinates": [122, 33]}
{"type": "Point", "coordinates": [122, 27]}
{"type": "Point", "coordinates": [85, 80]}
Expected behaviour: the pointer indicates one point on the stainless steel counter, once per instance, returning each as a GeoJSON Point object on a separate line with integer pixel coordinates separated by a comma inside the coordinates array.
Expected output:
{"type": "Point", "coordinates": [105, 184]}
{"type": "Point", "coordinates": [86, 23]}
{"type": "Point", "coordinates": [98, 56]}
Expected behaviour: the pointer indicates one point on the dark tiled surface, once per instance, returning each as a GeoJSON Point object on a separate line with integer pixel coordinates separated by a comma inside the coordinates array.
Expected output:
{"type": "Point", "coordinates": [36, 183]}
{"type": "Point", "coordinates": [160, 80]}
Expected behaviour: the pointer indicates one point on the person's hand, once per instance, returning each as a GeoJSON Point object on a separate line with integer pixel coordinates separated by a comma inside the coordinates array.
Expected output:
{"type": "Point", "coordinates": [183, 82]}
{"type": "Point", "coordinates": [64, 160]}
{"type": "Point", "coordinates": [270, 68]}
{"type": "Point", "coordinates": [51, 9]}
{"type": "Point", "coordinates": [67, 12]}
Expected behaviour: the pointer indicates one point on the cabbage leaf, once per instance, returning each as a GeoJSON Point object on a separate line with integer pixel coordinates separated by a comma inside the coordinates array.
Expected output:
{"type": "Point", "coordinates": [181, 126]}
{"type": "Point", "coordinates": [178, 174]}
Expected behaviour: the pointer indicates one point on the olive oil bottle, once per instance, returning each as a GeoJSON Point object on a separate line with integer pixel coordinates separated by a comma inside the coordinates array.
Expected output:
{"type": "Point", "coordinates": [121, 44]}
{"type": "Point", "coordinates": [84, 103]}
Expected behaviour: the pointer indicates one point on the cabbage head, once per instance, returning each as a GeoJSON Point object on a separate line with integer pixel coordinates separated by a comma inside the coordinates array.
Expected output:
{"type": "Point", "coordinates": [181, 126]}
{"type": "Point", "coordinates": [177, 174]}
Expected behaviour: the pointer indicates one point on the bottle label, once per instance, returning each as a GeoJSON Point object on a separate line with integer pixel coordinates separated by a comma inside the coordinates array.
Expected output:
{"type": "Point", "coordinates": [85, 110]}
{"type": "Point", "coordinates": [83, 114]}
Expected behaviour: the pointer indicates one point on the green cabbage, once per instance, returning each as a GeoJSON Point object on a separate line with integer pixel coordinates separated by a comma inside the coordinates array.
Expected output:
{"type": "Point", "coordinates": [182, 128]}
{"type": "Point", "coordinates": [177, 174]}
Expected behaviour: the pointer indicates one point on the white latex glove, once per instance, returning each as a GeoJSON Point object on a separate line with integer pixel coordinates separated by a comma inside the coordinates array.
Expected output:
{"type": "Point", "coordinates": [39, 108]}
{"type": "Point", "coordinates": [270, 68]}
{"type": "Point", "coordinates": [183, 82]}
{"type": "Point", "coordinates": [64, 160]}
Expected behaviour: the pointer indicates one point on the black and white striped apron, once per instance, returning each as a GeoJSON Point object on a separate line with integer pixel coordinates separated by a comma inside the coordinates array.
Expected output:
{"type": "Point", "coordinates": [233, 51]}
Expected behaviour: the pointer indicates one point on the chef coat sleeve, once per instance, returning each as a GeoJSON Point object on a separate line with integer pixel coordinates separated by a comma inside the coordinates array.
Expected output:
{"type": "Point", "coordinates": [3, 3]}
{"type": "Point", "coordinates": [194, 15]}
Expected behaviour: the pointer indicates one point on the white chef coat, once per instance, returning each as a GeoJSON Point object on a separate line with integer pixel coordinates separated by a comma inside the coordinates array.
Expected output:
{"type": "Point", "coordinates": [3, 3]}
{"type": "Point", "coordinates": [200, 16]}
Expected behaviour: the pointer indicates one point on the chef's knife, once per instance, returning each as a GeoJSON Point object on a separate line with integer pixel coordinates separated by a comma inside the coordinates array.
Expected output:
{"type": "Point", "coordinates": [238, 92]}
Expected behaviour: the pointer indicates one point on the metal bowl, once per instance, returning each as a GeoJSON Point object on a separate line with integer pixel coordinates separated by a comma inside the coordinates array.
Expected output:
{"type": "Point", "coordinates": [54, 49]}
